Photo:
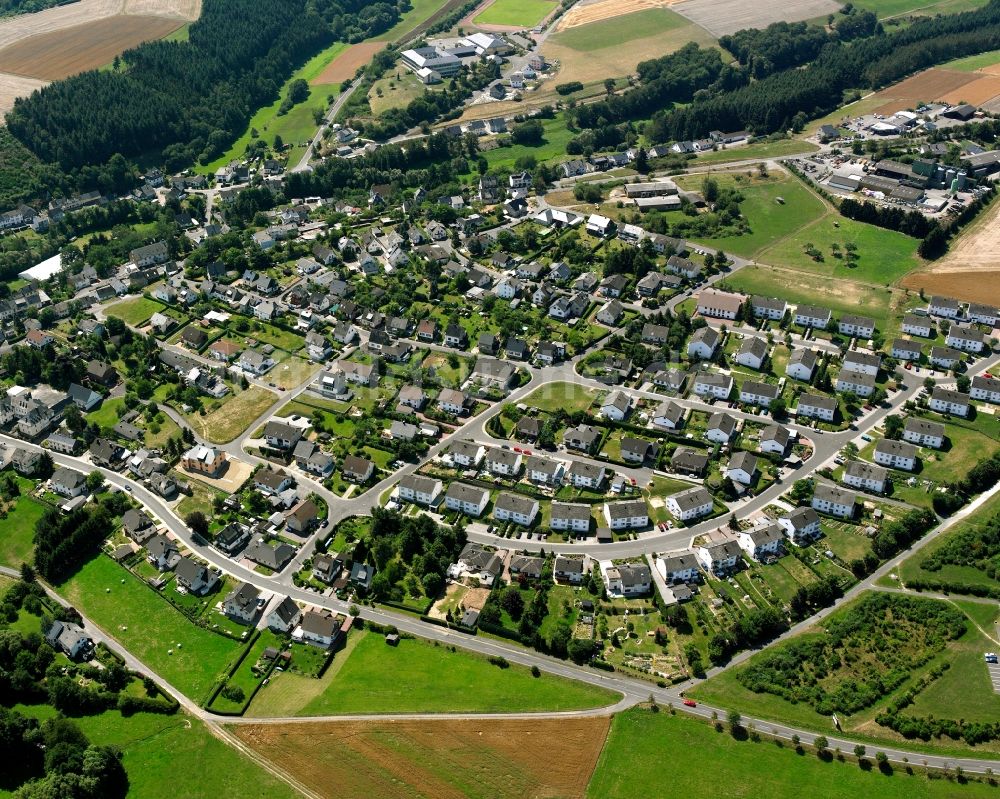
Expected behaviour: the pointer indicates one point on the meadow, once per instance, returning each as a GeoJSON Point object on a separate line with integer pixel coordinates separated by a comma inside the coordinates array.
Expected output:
{"type": "Point", "coordinates": [515, 13]}
{"type": "Point", "coordinates": [17, 529]}
{"type": "Point", "coordinates": [233, 416]}
{"type": "Point", "coordinates": [189, 657]}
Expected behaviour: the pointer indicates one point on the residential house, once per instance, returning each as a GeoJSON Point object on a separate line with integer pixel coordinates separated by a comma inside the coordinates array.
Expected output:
{"type": "Point", "coordinates": [466, 454]}
{"type": "Point", "coordinates": [320, 629]}
{"type": "Point", "coordinates": [858, 326]}
{"type": "Point", "coordinates": [475, 561]}
{"type": "Point", "coordinates": [719, 304]}
{"type": "Point", "coordinates": [628, 579]}
{"type": "Point", "coordinates": [721, 428]}
{"type": "Point", "coordinates": [669, 415]}
{"type": "Point", "coordinates": [752, 353]}
{"type": "Point", "coordinates": [568, 570]}
{"type": "Point", "coordinates": [801, 525]}
{"type": "Point", "coordinates": [812, 316]}
{"type": "Point", "coordinates": [570, 516]}
{"type": "Point", "coordinates": [772, 308]}
{"type": "Point", "coordinates": [860, 474]}
{"type": "Point", "coordinates": [834, 501]}
{"type": "Point", "coordinates": [711, 384]}
{"type": "Point", "coordinates": [923, 433]}
{"type": "Point", "coordinates": [68, 483]}
{"type": "Point", "coordinates": [543, 470]}
{"type": "Point", "coordinates": [616, 406]}
{"type": "Point", "coordinates": [303, 518]}
{"type": "Point", "coordinates": [985, 388]}
{"type": "Point", "coordinates": [915, 325]}
{"type": "Point", "coordinates": [742, 468]}
{"type": "Point", "coordinates": [952, 402]}
{"type": "Point", "coordinates": [761, 543]}
{"type": "Point", "coordinates": [285, 615]}
{"type": "Point", "coordinates": [944, 307]}
{"type": "Point", "coordinates": [470, 500]}
{"type": "Point", "coordinates": [355, 469]}
{"type": "Point", "coordinates": [678, 567]}
{"type": "Point", "coordinates": [202, 459]}
{"type": "Point", "coordinates": [195, 578]}
{"type": "Point", "coordinates": [905, 350]}
{"type": "Point", "coordinates": [719, 558]}
{"type": "Point", "coordinates": [691, 503]}
{"type": "Point", "coordinates": [895, 454]}
{"type": "Point", "coordinates": [688, 460]}
{"type": "Point", "coordinates": [816, 406]}
{"type": "Point", "coordinates": [775, 439]}
{"type": "Point", "coordinates": [515, 508]}
{"type": "Point", "coordinates": [585, 475]}
{"type": "Point", "coordinates": [966, 339]}
{"type": "Point", "coordinates": [581, 438]}
{"type": "Point", "coordinates": [703, 343]}
{"type": "Point", "coordinates": [760, 394]}
{"type": "Point", "coordinates": [162, 553]}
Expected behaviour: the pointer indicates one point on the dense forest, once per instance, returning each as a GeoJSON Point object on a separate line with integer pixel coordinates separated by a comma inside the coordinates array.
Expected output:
{"type": "Point", "coordinates": [13, 8]}
{"type": "Point", "coordinates": [188, 100]}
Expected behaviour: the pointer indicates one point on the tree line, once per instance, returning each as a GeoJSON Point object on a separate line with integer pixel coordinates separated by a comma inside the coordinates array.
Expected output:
{"type": "Point", "coordinates": [188, 100]}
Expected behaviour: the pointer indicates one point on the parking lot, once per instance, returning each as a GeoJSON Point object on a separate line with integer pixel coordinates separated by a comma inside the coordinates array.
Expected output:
{"type": "Point", "coordinates": [994, 670]}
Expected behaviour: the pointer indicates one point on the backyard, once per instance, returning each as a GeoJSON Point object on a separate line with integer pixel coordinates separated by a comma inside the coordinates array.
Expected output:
{"type": "Point", "coordinates": [17, 527]}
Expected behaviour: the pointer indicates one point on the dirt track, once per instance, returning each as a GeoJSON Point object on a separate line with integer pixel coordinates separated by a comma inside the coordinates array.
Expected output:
{"type": "Point", "coordinates": [447, 759]}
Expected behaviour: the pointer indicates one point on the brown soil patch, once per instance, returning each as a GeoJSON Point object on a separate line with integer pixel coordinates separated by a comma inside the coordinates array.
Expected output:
{"type": "Point", "coordinates": [891, 107]}
{"type": "Point", "coordinates": [992, 69]}
{"type": "Point", "coordinates": [346, 64]}
{"type": "Point", "coordinates": [929, 85]}
{"type": "Point", "coordinates": [971, 268]}
{"type": "Point", "coordinates": [61, 53]}
{"type": "Point", "coordinates": [977, 92]}
{"type": "Point", "coordinates": [446, 759]}
{"type": "Point", "coordinates": [14, 86]}
{"type": "Point", "coordinates": [582, 13]}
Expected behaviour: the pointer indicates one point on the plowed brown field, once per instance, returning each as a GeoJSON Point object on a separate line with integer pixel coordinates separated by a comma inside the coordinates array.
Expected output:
{"type": "Point", "coordinates": [977, 92]}
{"type": "Point", "coordinates": [346, 64]}
{"type": "Point", "coordinates": [442, 759]}
{"type": "Point", "coordinates": [929, 85]}
{"type": "Point", "coordinates": [59, 54]}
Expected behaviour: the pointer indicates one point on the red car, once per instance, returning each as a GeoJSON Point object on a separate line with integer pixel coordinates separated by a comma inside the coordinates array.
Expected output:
{"type": "Point", "coordinates": [517, 449]}
{"type": "Point", "coordinates": [690, 703]}
{"type": "Point", "coordinates": [526, 451]}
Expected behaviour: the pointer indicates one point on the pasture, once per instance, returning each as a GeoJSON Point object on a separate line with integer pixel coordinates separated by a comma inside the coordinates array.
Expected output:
{"type": "Point", "coordinates": [502, 759]}
{"type": "Point", "coordinates": [897, 8]}
{"type": "Point", "coordinates": [719, 17]}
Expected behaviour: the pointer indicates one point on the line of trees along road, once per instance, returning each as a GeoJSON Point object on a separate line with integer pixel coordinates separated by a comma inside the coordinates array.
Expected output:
{"type": "Point", "coordinates": [188, 100]}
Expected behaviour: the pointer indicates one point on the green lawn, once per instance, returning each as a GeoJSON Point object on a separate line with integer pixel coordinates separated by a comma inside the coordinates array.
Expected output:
{"type": "Point", "coordinates": [136, 311]}
{"type": "Point", "coordinates": [518, 13]}
{"type": "Point", "coordinates": [557, 135]}
{"type": "Point", "coordinates": [176, 756]}
{"type": "Point", "coordinates": [569, 397]}
{"type": "Point", "coordinates": [763, 149]}
{"type": "Point", "coordinates": [106, 415]}
{"type": "Point", "coordinates": [968, 443]}
{"type": "Point", "coordinates": [298, 124]}
{"type": "Point", "coordinates": [643, 747]}
{"type": "Point", "coordinates": [420, 11]}
{"type": "Point", "coordinates": [17, 530]}
{"type": "Point", "coordinates": [617, 31]}
{"type": "Point", "coordinates": [187, 656]}
{"type": "Point", "coordinates": [417, 676]}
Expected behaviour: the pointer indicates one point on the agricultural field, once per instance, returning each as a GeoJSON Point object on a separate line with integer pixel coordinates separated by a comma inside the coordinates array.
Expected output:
{"type": "Point", "coordinates": [975, 63]}
{"type": "Point", "coordinates": [187, 656]}
{"type": "Point", "coordinates": [779, 148]}
{"type": "Point", "coordinates": [643, 746]}
{"type": "Point", "coordinates": [419, 677]}
{"type": "Point", "coordinates": [882, 649]}
{"type": "Point", "coordinates": [515, 14]}
{"type": "Point", "coordinates": [59, 54]}
{"type": "Point", "coordinates": [233, 416]}
{"type": "Point", "coordinates": [420, 12]}
{"type": "Point", "coordinates": [938, 83]}
{"type": "Point", "coordinates": [970, 270]}
{"type": "Point", "coordinates": [896, 8]}
{"type": "Point", "coordinates": [442, 758]}
{"type": "Point", "coordinates": [728, 16]}
{"type": "Point", "coordinates": [612, 47]}
{"type": "Point", "coordinates": [153, 745]}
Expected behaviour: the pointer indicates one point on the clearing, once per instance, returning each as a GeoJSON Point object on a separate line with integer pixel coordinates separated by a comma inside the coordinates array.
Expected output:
{"type": "Point", "coordinates": [644, 746]}
{"type": "Point", "coordinates": [189, 657]}
{"type": "Point", "coordinates": [728, 16]}
{"type": "Point", "coordinates": [970, 270]}
{"type": "Point", "coordinates": [515, 14]}
{"type": "Point", "coordinates": [233, 416]}
{"type": "Point", "coordinates": [59, 54]}
{"type": "Point", "coordinates": [595, 50]}
{"type": "Point", "coordinates": [418, 677]}
{"type": "Point", "coordinates": [446, 759]}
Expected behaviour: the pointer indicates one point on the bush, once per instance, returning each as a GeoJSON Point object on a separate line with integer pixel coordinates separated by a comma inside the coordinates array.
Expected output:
{"type": "Point", "coordinates": [569, 88]}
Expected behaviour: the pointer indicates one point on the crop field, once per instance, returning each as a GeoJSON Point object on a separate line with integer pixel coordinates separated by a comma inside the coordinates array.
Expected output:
{"type": "Point", "coordinates": [728, 16]}
{"type": "Point", "coordinates": [597, 50]}
{"type": "Point", "coordinates": [515, 14]}
{"type": "Point", "coordinates": [642, 747]}
{"type": "Point", "coordinates": [189, 657]}
{"type": "Point", "coordinates": [446, 759]}
{"type": "Point", "coordinates": [59, 54]}
{"type": "Point", "coordinates": [346, 63]}
{"type": "Point", "coordinates": [970, 270]}
{"type": "Point", "coordinates": [927, 86]}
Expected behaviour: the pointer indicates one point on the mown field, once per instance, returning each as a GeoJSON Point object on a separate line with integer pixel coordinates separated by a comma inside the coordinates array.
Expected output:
{"type": "Point", "coordinates": [418, 677]}
{"type": "Point", "coordinates": [643, 747]}
{"type": "Point", "coordinates": [233, 416]}
{"type": "Point", "coordinates": [515, 13]}
{"type": "Point", "coordinates": [17, 528]}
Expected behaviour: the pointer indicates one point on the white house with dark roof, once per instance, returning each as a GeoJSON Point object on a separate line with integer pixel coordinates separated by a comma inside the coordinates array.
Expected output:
{"type": "Point", "coordinates": [944, 307]}
{"type": "Point", "coordinates": [834, 501]}
{"type": "Point", "coordinates": [775, 439]}
{"type": "Point", "coordinates": [719, 304]}
{"type": "Point", "coordinates": [691, 503]}
{"type": "Point", "coordinates": [421, 490]}
{"type": "Point", "coordinates": [801, 525]}
{"type": "Point", "coordinates": [470, 500]}
{"type": "Point", "coordinates": [626, 514]}
{"type": "Point", "coordinates": [981, 314]}
{"type": "Point", "coordinates": [772, 308]}
{"type": "Point", "coordinates": [966, 339]}
{"type": "Point", "coordinates": [866, 362]}
{"type": "Point", "coordinates": [721, 428]}
{"type": "Point", "coordinates": [756, 393]}
{"type": "Point", "coordinates": [924, 433]}
{"type": "Point", "coordinates": [986, 389]}
{"type": "Point", "coordinates": [703, 343]}
{"type": "Point", "coordinates": [678, 567]}
{"type": "Point", "coordinates": [867, 476]}
{"type": "Point", "coordinates": [801, 364]}
{"type": "Point", "coordinates": [895, 454]}
{"type": "Point", "coordinates": [570, 516]}
{"type": "Point", "coordinates": [669, 416]}
{"type": "Point", "coordinates": [860, 383]}
{"type": "Point", "coordinates": [585, 475]}
{"type": "Point", "coordinates": [915, 325]}
{"type": "Point", "coordinates": [568, 569]}
{"type": "Point", "coordinates": [742, 468]}
{"type": "Point", "coordinates": [515, 508]}
{"type": "Point", "coordinates": [503, 462]}
{"type": "Point", "coordinates": [543, 470]}
{"type": "Point", "coordinates": [761, 542]}
{"type": "Point", "coordinates": [946, 401]}
{"type": "Point", "coordinates": [467, 454]}
{"type": "Point", "coordinates": [812, 316]}
{"type": "Point", "coordinates": [752, 353]}
{"type": "Point", "coordinates": [628, 579]}
{"type": "Point", "coordinates": [711, 384]}
{"type": "Point", "coordinates": [616, 406]}
{"type": "Point", "coordinates": [904, 349]}
{"type": "Point", "coordinates": [859, 326]}
{"type": "Point", "coordinates": [718, 558]}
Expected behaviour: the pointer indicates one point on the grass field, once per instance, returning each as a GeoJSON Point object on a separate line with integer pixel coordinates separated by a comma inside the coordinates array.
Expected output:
{"type": "Point", "coordinates": [395, 93]}
{"type": "Point", "coordinates": [763, 149]}
{"type": "Point", "coordinates": [515, 13]}
{"type": "Point", "coordinates": [188, 657]}
{"type": "Point", "coordinates": [233, 416]}
{"type": "Point", "coordinates": [420, 11]}
{"type": "Point", "coordinates": [973, 63]}
{"type": "Point", "coordinates": [136, 311]}
{"type": "Point", "coordinates": [419, 677]}
{"type": "Point", "coordinates": [642, 747]}
{"type": "Point", "coordinates": [155, 746]}
{"type": "Point", "coordinates": [17, 530]}
{"type": "Point", "coordinates": [553, 147]}
{"type": "Point", "coordinates": [620, 30]}
{"type": "Point", "coordinates": [842, 296]}
{"type": "Point", "coordinates": [561, 396]}
{"type": "Point", "coordinates": [440, 758]}
{"type": "Point", "coordinates": [969, 443]}
{"type": "Point", "coordinates": [292, 372]}
{"type": "Point", "coordinates": [106, 414]}
{"type": "Point", "coordinates": [297, 125]}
